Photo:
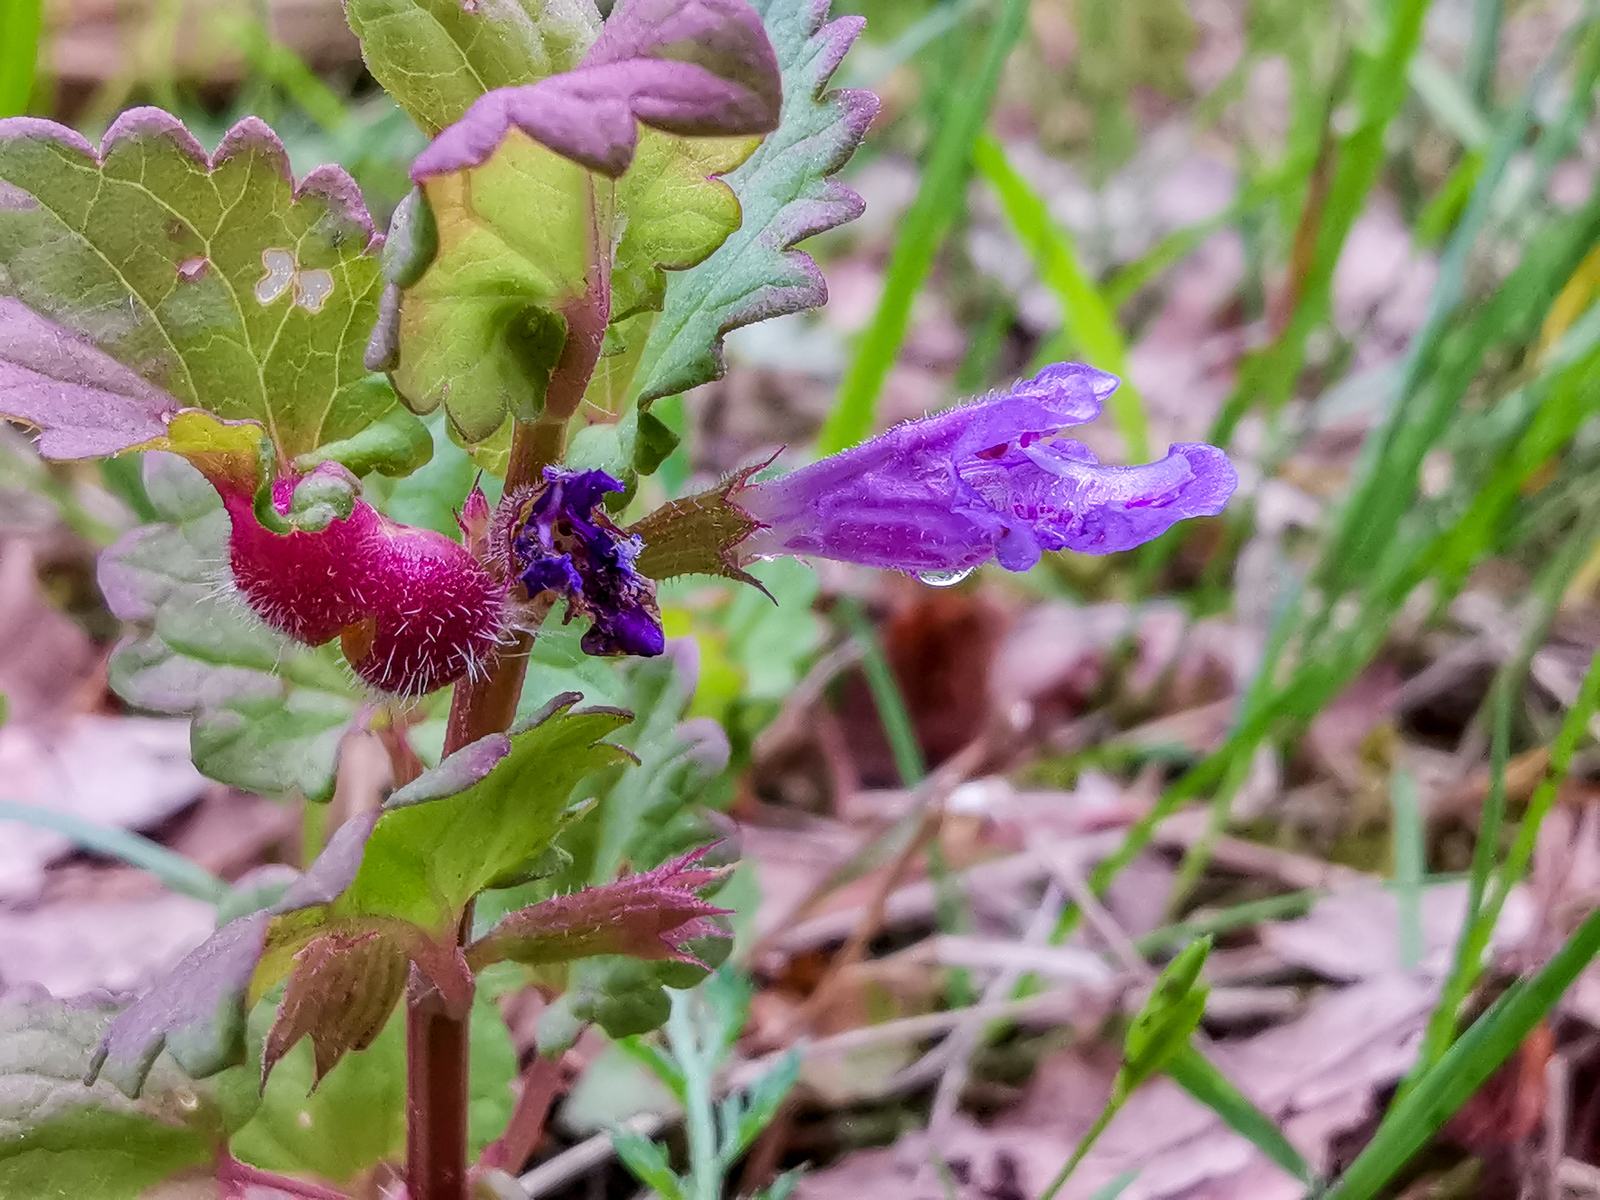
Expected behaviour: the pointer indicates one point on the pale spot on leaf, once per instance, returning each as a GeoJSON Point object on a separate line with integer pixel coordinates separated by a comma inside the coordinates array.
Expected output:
{"type": "Point", "coordinates": [192, 269]}
{"type": "Point", "coordinates": [280, 268]}
{"type": "Point", "coordinates": [312, 289]}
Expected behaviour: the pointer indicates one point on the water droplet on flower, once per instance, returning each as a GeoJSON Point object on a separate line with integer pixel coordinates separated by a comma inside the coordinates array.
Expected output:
{"type": "Point", "coordinates": [943, 578]}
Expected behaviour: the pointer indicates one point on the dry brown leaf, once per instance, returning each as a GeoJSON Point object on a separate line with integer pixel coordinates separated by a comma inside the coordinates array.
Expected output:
{"type": "Point", "coordinates": [120, 772]}
{"type": "Point", "coordinates": [46, 660]}
{"type": "Point", "coordinates": [70, 949]}
{"type": "Point", "coordinates": [1317, 1076]}
{"type": "Point", "coordinates": [1354, 933]}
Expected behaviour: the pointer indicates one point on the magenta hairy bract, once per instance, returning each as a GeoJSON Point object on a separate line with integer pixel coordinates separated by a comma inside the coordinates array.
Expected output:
{"type": "Point", "coordinates": [413, 609]}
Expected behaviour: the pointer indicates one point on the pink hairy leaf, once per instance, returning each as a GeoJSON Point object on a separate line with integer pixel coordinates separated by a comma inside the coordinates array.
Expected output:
{"type": "Point", "coordinates": [648, 916]}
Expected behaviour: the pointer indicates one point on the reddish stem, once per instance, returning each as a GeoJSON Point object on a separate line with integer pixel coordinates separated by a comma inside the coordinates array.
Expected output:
{"type": "Point", "coordinates": [542, 1082]}
{"type": "Point", "coordinates": [238, 1180]}
{"type": "Point", "coordinates": [436, 1041]}
{"type": "Point", "coordinates": [436, 1095]}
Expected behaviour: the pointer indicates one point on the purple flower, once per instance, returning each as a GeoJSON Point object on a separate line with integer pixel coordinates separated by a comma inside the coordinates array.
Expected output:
{"type": "Point", "coordinates": [562, 543]}
{"type": "Point", "coordinates": [989, 479]}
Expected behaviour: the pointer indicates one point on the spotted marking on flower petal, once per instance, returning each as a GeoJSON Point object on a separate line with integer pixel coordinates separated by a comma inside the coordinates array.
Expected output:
{"type": "Point", "coordinates": [280, 267]}
{"type": "Point", "coordinates": [312, 289]}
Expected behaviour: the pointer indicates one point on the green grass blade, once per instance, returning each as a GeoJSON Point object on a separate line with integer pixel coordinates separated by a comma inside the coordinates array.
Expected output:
{"type": "Point", "coordinates": [1193, 1072]}
{"type": "Point", "coordinates": [1089, 326]}
{"type": "Point", "coordinates": [1410, 864]}
{"type": "Point", "coordinates": [1573, 727]}
{"type": "Point", "coordinates": [277, 63]}
{"type": "Point", "coordinates": [1483, 50]}
{"type": "Point", "coordinates": [1198, 856]}
{"type": "Point", "coordinates": [1081, 1150]}
{"type": "Point", "coordinates": [20, 22]}
{"type": "Point", "coordinates": [1120, 287]}
{"type": "Point", "coordinates": [1117, 1186]}
{"type": "Point", "coordinates": [886, 694]}
{"type": "Point", "coordinates": [178, 873]}
{"type": "Point", "coordinates": [983, 350]}
{"type": "Point", "coordinates": [1449, 102]}
{"type": "Point", "coordinates": [1494, 803]}
{"type": "Point", "coordinates": [1255, 718]}
{"type": "Point", "coordinates": [1491, 1040]}
{"type": "Point", "coordinates": [951, 907]}
{"type": "Point", "coordinates": [871, 65]}
{"type": "Point", "coordinates": [1236, 916]}
{"type": "Point", "coordinates": [1384, 485]}
{"type": "Point", "coordinates": [1481, 916]}
{"type": "Point", "coordinates": [1380, 89]}
{"type": "Point", "coordinates": [938, 200]}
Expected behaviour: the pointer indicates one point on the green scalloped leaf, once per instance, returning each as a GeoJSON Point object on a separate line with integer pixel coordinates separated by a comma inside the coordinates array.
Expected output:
{"type": "Point", "coordinates": [60, 1138]}
{"type": "Point", "coordinates": [787, 193]}
{"type": "Point", "coordinates": [482, 327]}
{"type": "Point", "coordinates": [426, 859]}
{"type": "Point", "coordinates": [435, 57]}
{"type": "Point", "coordinates": [214, 277]}
{"type": "Point", "coordinates": [547, 215]}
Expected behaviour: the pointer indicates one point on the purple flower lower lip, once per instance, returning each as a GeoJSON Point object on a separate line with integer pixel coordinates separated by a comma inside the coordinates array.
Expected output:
{"type": "Point", "coordinates": [988, 479]}
{"type": "Point", "coordinates": [561, 543]}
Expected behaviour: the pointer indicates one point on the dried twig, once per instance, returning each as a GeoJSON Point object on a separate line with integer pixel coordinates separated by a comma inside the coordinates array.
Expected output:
{"type": "Point", "coordinates": [1065, 870]}
{"type": "Point", "coordinates": [1298, 871]}
{"type": "Point", "coordinates": [932, 794]}
{"type": "Point", "coordinates": [956, 1051]}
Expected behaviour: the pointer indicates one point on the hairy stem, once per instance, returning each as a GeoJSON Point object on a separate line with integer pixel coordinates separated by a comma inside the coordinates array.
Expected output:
{"type": "Point", "coordinates": [543, 1081]}
{"type": "Point", "coordinates": [242, 1180]}
{"type": "Point", "coordinates": [436, 1039]}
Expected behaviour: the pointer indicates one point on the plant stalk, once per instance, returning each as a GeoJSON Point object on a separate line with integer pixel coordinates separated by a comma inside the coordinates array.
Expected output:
{"type": "Point", "coordinates": [705, 1173]}
{"type": "Point", "coordinates": [436, 1038]}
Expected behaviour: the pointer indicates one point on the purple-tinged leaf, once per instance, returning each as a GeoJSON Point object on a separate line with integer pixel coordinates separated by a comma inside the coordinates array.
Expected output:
{"type": "Point", "coordinates": [334, 869]}
{"type": "Point", "coordinates": [484, 298]}
{"type": "Point", "coordinates": [403, 875]}
{"type": "Point", "coordinates": [215, 278]}
{"type": "Point", "coordinates": [86, 404]}
{"type": "Point", "coordinates": [456, 773]}
{"type": "Point", "coordinates": [435, 57]}
{"type": "Point", "coordinates": [197, 1012]}
{"type": "Point", "coordinates": [341, 993]}
{"type": "Point", "coordinates": [988, 479]}
{"type": "Point", "coordinates": [82, 400]}
{"type": "Point", "coordinates": [650, 916]}
{"type": "Point", "coordinates": [787, 192]}
{"type": "Point", "coordinates": [698, 68]}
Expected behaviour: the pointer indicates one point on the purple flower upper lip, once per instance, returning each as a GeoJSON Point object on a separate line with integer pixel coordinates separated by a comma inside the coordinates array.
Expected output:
{"type": "Point", "coordinates": [988, 479]}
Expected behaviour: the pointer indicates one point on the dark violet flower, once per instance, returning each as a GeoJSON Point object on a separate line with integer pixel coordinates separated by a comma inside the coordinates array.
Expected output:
{"type": "Point", "coordinates": [562, 542]}
{"type": "Point", "coordinates": [988, 479]}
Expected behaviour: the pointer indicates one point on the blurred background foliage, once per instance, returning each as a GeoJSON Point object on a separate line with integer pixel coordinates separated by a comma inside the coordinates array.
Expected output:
{"type": "Point", "coordinates": [1354, 242]}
